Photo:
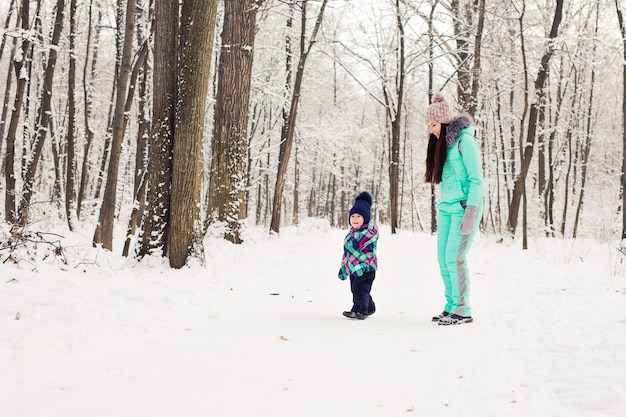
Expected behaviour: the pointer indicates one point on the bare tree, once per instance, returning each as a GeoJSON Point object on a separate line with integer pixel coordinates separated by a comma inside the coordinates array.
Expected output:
{"type": "Point", "coordinates": [228, 177]}
{"type": "Point", "coordinates": [288, 129]}
{"type": "Point", "coordinates": [44, 116]}
{"type": "Point", "coordinates": [185, 233]}
{"type": "Point", "coordinates": [104, 229]}
{"type": "Point", "coordinates": [19, 65]}
{"type": "Point", "coordinates": [468, 18]}
{"type": "Point", "coordinates": [158, 188]}
{"type": "Point", "coordinates": [5, 105]}
{"type": "Point", "coordinates": [89, 75]}
{"type": "Point", "coordinates": [518, 190]}
{"type": "Point", "coordinates": [139, 81]}
{"type": "Point", "coordinates": [622, 26]}
{"type": "Point", "coordinates": [70, 172]}
{"type": "Point", "coordinates": [347, 129]}
{"type": "Point", "coordinates": [431, 51]}
{"type": "Point", "coordinates": [394, 113]}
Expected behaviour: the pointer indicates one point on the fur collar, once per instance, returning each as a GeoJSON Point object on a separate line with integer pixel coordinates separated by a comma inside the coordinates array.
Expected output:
{"type": "Point", "coordinates": [455, 126]}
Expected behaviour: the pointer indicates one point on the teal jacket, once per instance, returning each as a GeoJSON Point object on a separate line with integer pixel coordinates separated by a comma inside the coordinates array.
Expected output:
{"type": "Point", "coordinates": [462, 176]}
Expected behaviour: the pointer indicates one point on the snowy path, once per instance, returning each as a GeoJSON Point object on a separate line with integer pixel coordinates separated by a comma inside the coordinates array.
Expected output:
{"type": "Point", "coordinates": [260, 333]}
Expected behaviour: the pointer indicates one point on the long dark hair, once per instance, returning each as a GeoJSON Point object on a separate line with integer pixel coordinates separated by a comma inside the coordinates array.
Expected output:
{"type": "Point", "coordinates": [436, 156]}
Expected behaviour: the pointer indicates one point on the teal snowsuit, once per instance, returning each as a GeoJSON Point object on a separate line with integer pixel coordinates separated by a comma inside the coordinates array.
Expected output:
{"type": "Point", "coordinates": [461, 186]}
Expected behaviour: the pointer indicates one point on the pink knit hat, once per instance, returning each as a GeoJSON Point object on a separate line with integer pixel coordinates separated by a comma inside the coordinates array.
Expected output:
{"type": "Point", "coordinates": [438, 111]}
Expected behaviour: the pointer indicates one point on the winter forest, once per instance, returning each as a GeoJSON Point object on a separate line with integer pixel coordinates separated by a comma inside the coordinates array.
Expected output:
{"type": "Point", "coordinates": [174, 119]}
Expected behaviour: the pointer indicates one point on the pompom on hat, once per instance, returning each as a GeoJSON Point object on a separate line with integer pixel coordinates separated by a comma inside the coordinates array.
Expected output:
{"type": "Point", "coordinates": [438, 111]}
{"type": "Point", "coordinates": [362, 205]}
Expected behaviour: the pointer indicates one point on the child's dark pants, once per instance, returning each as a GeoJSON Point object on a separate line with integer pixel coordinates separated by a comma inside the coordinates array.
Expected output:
{"type": "Point", "coordinates": [361, 287]}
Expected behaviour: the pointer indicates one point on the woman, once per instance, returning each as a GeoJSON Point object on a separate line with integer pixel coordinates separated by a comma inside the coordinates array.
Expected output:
{"type": "Point", "coordinates": [453, 162]}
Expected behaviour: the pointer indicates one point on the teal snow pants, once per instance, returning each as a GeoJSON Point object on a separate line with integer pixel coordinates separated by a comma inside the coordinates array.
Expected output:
{"type": "Point", "coordinates": [452, 249]}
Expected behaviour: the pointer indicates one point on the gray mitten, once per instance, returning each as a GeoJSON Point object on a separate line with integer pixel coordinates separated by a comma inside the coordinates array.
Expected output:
{"type": "Point", "coordinates": [469, 219]}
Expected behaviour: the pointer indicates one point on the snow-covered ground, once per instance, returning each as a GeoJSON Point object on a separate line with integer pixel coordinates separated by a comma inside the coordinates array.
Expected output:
{"type": "Point", "coordinates": [259, 332]}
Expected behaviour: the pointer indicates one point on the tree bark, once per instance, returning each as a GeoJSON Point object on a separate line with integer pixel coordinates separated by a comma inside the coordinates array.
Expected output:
{"type": "Point", "coordinates": [9, 167]}
{"type": "Point", "coordinates": [44, 116]}
{"type": "Point", "coordinates": [104, 229]}
{"type": "Point", "coordinates": [5, 105]}
{"type": "Point", "coordinates": [469, 17]}
{"type": "Point", "coordinates": [532, 120]}
{"type": "Point", "coordinates": [622, 27]}
{"type": "Point", "coordinates": [185, 233]}
{"type": "Point", "coordinates": [70, 172]}
{"type": "Point", "coordinates": [288, 130]}
{"type": "Point", "coordinates": [158, 189]}
{"type": "Point", "coordinates": [228, 176]}
{"type": "Point", "coordinates": [395, 116]}
{"type": "Point", "coordinates": [478, 42]}
{"type": "Point", "coordinates": [296, 187]}
{"type": "Point", "coordinates": [139, 78]}
{"type": "Point", "coordinates": [89, 75]}
{"type": "Point", "coordinates": [431, 42]}
{"type": "Point", "coordinates": [587, 143]}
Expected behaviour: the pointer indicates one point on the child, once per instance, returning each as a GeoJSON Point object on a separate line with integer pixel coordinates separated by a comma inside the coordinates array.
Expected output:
{"type": "Point", "coordinates": [359, 257]}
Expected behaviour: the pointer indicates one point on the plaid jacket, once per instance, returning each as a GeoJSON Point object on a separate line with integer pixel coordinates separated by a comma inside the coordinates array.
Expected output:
{"type": "Point", "coordinates": [359, 251]}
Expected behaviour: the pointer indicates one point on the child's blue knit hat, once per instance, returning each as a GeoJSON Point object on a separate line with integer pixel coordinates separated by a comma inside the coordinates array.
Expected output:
{"type": "Point", "coordinates": [362, 205]}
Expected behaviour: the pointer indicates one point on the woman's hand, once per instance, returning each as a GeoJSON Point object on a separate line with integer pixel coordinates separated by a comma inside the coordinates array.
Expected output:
{"type": "Point", "coordinates": [469, 219]}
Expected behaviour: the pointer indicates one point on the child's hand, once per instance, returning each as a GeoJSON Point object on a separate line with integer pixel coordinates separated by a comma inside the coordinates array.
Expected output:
{"type": "Point", "coordinates": [342, 275]}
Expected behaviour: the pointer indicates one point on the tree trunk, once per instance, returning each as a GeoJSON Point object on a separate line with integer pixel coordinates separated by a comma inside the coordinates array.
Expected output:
{"type": "Point", "coordinates": [155, 220]}
{"type": "Point", "coordinates": [431, 41]}
{"type": "Point", "coordinates": [396, 119]}
{"type": "Point", "coordinates": [296, 185]}
{"type": "Point", "coordinates": [473, 103]}
{"type": "Point", "coordinates": [288, 129]}
{"type": "Point", "coordinates": [587, 144]}
{"type": "Point", "coordinates": [9, 167]}
{"type": "Point", "coordinates": [521, 125]}
{"type": "Point", "coordinates": [622, 27]}
{"type": "Point", "coordinates": [70, 172]}
{"type": "Point", "coordinates": [104, 228]}
{"type": "Point", "coordinates": [139, 76]}
{"type": "Point", "coordinates": [106, 147]}
{"type": "Point", "coordinates": [541, 146]}
{"type": "Point", "coordinates": [57, 188]}
{"type": "Point", "coordinates": [463, 17]}
{"type": "Point", "coordinates": [585, 160]}
{"type": "Point", "coordinates": [185, 233]}
{"type": "Point", "coordinates": [532, 120]}
{"type": "Point", "coordinates": [548, 191]}
{"type": "Point", "coordinates": [465, 14]}
{"type": "Point", "coordinates": [7, 91]}
{"type": "Point", "coordinates": [119, 46]}
{"type": "Point", "coordinates": [11, 9]}
{"type": "Point", "coordinates": [43, 118]}
{"type": "Point", "coordinates": [566, 185]}
{"type": "Point", "coordinates": [5, 105]}
{"type": "Point", "coordinates": [228, 179]}
{"type": "Point", "coordinates": [277, 199]}
{"type": "Point", "coordinates": [88, 82]}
